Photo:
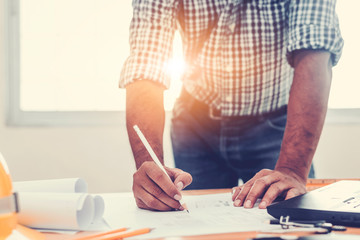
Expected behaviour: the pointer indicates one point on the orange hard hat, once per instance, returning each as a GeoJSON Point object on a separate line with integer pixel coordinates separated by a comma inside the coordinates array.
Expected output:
{"type": "Point", "coordinates": [9, 228]}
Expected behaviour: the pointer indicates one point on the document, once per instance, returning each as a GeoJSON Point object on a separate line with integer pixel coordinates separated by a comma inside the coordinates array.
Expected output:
{"type": "Point", "coordinates": [60, 204]}
{"type": "Point", "coordinates": [208, 214]}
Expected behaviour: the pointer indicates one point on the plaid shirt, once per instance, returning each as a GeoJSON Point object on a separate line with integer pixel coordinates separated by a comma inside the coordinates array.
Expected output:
{"type": "Point", "coordinates": [238, 52]}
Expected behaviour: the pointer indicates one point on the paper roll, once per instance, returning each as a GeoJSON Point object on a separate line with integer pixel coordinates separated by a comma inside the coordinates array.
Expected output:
{"type": "Point", "coordinates": [61, 204]}
{"type": "Point", "coordinates": [68, 185]}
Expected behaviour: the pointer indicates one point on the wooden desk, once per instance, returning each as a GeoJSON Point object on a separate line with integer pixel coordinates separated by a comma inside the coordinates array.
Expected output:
{"type": "Point", "coordinates": [312, 184]}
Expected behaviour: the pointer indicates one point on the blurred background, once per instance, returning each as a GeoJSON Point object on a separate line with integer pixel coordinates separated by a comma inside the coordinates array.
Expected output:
{"type": "Point", "coordinates": [62, 113]}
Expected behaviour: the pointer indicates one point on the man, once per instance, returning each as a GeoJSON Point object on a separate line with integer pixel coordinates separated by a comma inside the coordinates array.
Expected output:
{"type": "Point", "coordinates": [254, 95]}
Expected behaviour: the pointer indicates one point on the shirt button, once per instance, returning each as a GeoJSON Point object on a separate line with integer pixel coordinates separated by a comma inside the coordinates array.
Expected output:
{"type": "Point", "coordinates": [229, 68]}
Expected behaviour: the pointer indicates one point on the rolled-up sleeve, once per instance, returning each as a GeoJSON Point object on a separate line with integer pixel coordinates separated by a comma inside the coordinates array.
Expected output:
{"type": "Point", "coordinates": [314, 25]}
{"type": "Point", "coordinates": [152, 31]}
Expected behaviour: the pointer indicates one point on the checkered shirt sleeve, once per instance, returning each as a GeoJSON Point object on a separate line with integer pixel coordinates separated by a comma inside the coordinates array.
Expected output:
{"type": "Point", "coordinates": [151, 38]}
{"type": "Point", "coordinates": [314, 25]}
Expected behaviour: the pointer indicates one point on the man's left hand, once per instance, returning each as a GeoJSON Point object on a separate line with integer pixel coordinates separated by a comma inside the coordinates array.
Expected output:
{"type": "Point", "coordinates": [270, 184]}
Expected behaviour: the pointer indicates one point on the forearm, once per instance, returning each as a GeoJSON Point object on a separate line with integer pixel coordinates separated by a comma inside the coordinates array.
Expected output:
{"type": "Point", "coordinates": [306, 111]}
{"type": "Point", "coordinates": [144, 107]}
{"type": "Point", "coordinates": [306, 114]}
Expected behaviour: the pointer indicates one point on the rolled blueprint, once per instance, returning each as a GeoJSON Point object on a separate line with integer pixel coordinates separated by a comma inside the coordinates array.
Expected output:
{"type": "Point", "coordinates": [66, 185]}
{"type": "Point", "coordinates": [58, 204]}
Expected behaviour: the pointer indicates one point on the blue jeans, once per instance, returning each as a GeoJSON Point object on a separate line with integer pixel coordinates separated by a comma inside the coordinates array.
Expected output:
{"type": "Point", "coordinates": [217, 152]}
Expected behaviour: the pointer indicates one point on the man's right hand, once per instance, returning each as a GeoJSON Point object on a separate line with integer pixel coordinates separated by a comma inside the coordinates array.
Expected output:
{"type": "Point", "coordinates": [153, 190]}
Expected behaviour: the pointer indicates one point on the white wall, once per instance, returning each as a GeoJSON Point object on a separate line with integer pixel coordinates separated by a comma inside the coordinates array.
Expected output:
{"type": "Point", "coordinates": [102, 155]}
{"type": "Point", "coordinates": [338, 153]}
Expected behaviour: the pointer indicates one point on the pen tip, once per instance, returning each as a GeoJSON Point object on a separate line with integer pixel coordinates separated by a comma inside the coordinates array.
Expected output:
{"type": "Point", "coordinates": [187, 210]}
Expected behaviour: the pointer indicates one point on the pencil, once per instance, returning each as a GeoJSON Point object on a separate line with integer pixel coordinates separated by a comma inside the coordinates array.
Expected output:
{"type": "Point", "coordinates": [153, 155]}
{"type": "Point", "coordinates": [92, 236]}
{"type": "Point", "coordinates": [125, 234]}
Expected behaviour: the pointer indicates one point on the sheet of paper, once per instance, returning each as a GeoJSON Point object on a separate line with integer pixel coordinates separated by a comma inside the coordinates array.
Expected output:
{"type": "Point", "coordinates": [59, 204]}
{"type": "Point", "coordinates": [209, 214]}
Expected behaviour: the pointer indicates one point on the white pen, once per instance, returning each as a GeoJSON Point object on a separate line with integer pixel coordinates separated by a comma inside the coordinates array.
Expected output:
{"type": "Point", "coordinates": [152, 154]}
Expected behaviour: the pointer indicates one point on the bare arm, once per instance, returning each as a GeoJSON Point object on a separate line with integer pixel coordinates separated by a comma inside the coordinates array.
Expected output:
{"type": "Point", "coordinates": [152, 188]}
{"type": "Point", "coordinates": [144, 107]}
{"type": "Point", "coordinates": [306, 113]}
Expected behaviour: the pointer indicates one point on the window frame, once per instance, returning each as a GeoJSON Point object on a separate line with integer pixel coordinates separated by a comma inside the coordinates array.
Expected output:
{"type": "Point", "coordinates": [18, 117]}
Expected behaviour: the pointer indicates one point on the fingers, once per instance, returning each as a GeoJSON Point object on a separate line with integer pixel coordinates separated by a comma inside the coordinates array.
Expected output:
{"type": "Point", "coordinates": [181, 179]}
{"type": "Point", "coordinates": [147, 200]}
{"type": "Point", "coordinates": [152, 204]}
{"type": "Point", "coordinates": [240, 197]}
{"type": "Point", "coordinates": [235, 192]}
{"type": "Point", "coordinates": [154, 190]}
{"type": "Point", "coordinates": [157, 192]}
{"type": "Point", "coordinates": [141, 204]}
{"type": "Point", "coordinates": [270, 184]}
{"type": "Point", "coordinates": [294, 192]}
{"type": "Point", "coordinates": [163, 181]}
{"type": "Point", "coordinates": [251, 192]}
{"type": "Point", "coordinates": [272, 193]}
